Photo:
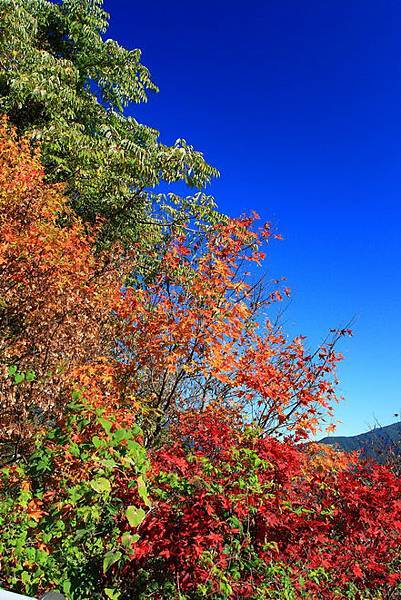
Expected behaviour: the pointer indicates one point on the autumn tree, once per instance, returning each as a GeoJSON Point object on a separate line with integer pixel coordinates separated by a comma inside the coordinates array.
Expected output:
{"type": "Point", "coordinates": [106, 349]}
{"type": "Point", "coordinates": [196, 332]}
{"type": "Point", "coordinates": [64, 84]}
{"type": "Point", "coordinates": [56, 295]}
{"type": "Point", "coordinates": [202, 331]}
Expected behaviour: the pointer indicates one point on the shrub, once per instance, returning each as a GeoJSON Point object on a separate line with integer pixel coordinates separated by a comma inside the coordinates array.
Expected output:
{"type": "Point", "coordinates": [68, 511]}
{"type": "Point", "coordinates": [237, 515]}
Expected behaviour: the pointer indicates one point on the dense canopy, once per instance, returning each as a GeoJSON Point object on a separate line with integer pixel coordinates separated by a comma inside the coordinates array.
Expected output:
{"type": "Point", "coordinates": [64, 84]}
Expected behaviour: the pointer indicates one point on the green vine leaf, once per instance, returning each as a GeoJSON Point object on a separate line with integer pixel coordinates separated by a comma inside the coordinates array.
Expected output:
{"type": "Point", "coordinates": [135, 516]}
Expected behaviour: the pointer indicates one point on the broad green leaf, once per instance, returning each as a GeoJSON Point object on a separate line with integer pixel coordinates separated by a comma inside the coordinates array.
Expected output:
{"type": "Point", "coordinates": [142, 491]}
{"type": "Point", "coordinates": [30, 375]}
{"type": "Point", "coordinates": [121, 434]}
{"type": "Point", "coordinates": [67, 587]}
{"type": "Point", "coordinates": [110, 558]}
{"type": "Point", "coordinates": [135, 515]}
{"type": "Point", "coordinates": [19, 377]}
{"type": "Point", "coordinates": [100, 485]}
{"type": "Point", "coordinates": [105, 424]}
{"type": "Point", "coordinates": [96, 441]}
{"type": "Point", "coordinates": [25, 577]}
{"type": "Point", "coordinates": [127, 539]}
{"type": "Point", "coordinates": [112, 594]}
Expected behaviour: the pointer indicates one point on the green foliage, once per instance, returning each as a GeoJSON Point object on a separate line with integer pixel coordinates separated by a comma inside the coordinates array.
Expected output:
{"type": "Point", "coordinates": [63, 510]}
{"type": "Point", "coordinates": [20, 376]}
{"type": "Point", "coordinates": [65, 85]}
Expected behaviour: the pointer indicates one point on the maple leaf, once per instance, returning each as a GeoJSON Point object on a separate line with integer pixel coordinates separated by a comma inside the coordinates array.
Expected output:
{"type": "Point", "coordinates": [34, 510]}
{"type": "Point", "coordinates": [356, 569]}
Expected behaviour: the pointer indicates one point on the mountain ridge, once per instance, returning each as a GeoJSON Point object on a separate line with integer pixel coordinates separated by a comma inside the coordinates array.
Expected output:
{"type": "Point", "coordinates": [373, 443]}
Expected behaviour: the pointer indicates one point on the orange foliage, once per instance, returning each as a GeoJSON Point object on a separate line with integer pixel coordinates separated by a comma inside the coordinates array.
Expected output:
{"type": "Point", "coordinates": [199, 334]}
{"type": "Point", "coordinates": [325, 459]}
{"type": "Point", "coordinates": [196, 333]}
{"type": "Point", "coordinates": [55, 294]}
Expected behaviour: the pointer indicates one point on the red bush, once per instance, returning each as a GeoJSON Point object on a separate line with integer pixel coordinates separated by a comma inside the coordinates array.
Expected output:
{"type": "Point", "coordinates": [237, 515]}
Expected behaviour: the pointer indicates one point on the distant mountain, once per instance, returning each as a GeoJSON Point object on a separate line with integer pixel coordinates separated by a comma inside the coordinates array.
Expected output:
{"type": "Point", "coordinates": [375, 443]}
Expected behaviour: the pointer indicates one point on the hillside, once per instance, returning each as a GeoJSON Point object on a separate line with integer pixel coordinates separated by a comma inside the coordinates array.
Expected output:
{"type": "Point", "coordinates": [372, 443]}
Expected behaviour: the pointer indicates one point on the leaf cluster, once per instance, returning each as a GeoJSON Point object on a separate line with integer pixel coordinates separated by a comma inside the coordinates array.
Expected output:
{"type": "Point", "coordinates": [68, 514]}
{"type": "Point", "coordinates": [240, 516]}
{"type": "Point", "coordinates": [64, 84]}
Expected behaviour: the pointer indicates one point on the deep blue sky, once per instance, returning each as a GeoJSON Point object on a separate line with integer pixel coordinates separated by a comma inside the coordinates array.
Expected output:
{"type": "Point", "coordinates": [299, 106]}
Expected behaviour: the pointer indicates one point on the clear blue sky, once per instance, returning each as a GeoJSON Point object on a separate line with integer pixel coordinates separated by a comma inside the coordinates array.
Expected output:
{"type": "Point", "coordinates": [299, 106]}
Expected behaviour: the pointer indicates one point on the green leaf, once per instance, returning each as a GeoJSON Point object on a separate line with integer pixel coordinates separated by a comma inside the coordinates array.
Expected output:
{"type": "Point", "coordinates": [135, 515]}
{"type": "Point", "coordinates": [67, 587]}
{"type": "Point", "coordinates": [112, 594]}
{"type": "Point", "coordinates": [127, 539]}
{"type": "Point", "coordinates": [25, 577]}
{"type": "Point", "coordinates": [142, 491]}
{"type": "Point", "coordinates": [105, 424]}
{"type": "Point", "coordinates": [30, 375]}
{"type": "Point", "coordinates": [100, 485]}
{"type": "Point", "coordinates": [80, 534]}
{"type": "Point", "coordinates": [225, 588]}
{"type": "Point", "coordinates": [110, 558]}
{"type": "Point", "coordinates": [121, 434]}
{"type": "Point", "coordinates": [12, 370]}
{"type": "Point", "coordinates": [19, 377]}
{"type": "Point", "coordinates": [96, 441]}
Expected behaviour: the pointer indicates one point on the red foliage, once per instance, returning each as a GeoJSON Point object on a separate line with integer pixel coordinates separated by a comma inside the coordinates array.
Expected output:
{"type": "Point", "coordinates": [231, 507]}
